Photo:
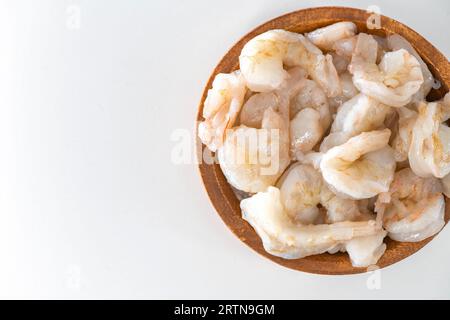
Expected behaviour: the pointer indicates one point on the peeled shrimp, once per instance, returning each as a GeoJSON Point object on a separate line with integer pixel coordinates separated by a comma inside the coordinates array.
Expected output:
{"type": "Point", "coordinates": [402, 139]}
{"type": "Point", "coordinates": [253, 159]}
{"type": "Point", "coordinates": [396, 42]}
{"type": "Point", "coordinates": [345, 47]}
{"type": "Point", "coordinates": [394, 81]}
{"type": "Point", "coordinates": [325, 37]}
{"type": "Point", "coordinates": [429, 152]}
{"type": "Point", "coordinates": [312, 117]}
{"type": "Point", "coordinates": [311, 158]}
{"type": "Point", "coordinates": [348, 91]}
{"type": "Point", "coordinates": [340, 62]}
{"type": "Point", "coordinates": [413, 208]}
{"type": "Point", "coordinates": [362, 167]}
{"type": "Point", "coordinates": [363, 251]}
{"type": "Point", "coordinates": [359, 114]}
{"type": "Point", "coordinates": [253, 110]}
{"type": "Point", "coordinates": [284, 238]}
{"type": "Point", "coordinates": [334, 139]}
{"type": "Point", "coordinates": [221, 107]}
{"type": "Point", "coordinates": [305, 131]}
{"type": "Point", "coordinates": [342, 53]}
{"type": "Point", "coordinates": [366, 251]}
{"type": "Point", "coordinates": [300, 188]}
{"type": "Point", "coordinates": [338, 209]}
{"type": "Point", "coordinates": [262, 59]}
{"type": "Point", "coordinates": [312, 96]}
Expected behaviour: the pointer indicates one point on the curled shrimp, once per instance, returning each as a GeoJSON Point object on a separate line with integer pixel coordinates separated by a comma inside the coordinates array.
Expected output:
{"type": "Point", "coordinates": [262, 59]}
{"type": "Point", "coordinates": [311, 119]}
{"type": "Point", "coordinates": [413, 208]}
{"type": "Point", "coordinates": [253, 159]}
{"type": "Point", "coordinates": [359, 114]}
{"type": "Point", "coordinates": [338, 209]}
{"type": "Point", "coordinates": [311, 96]}
{"type": "Point", "coordinates": [300, 189]}
{"type": "Point", "coordinates": [253, 110]}
{"type": "Point", "coordinates": [362, 251]}
{"type": "Point", "coordinates": [221, 107]}
{"type": "Point", "coordinates": [362, 167]}
{"type": "Point", "coordinates": [305, 131]}
{"type": "Point", "coordinates": [396, 42]}
{"type": "Point", "coordinates": [394, 81]}
{"type": "Point", "coordinates": [326, 37]}
{"type": "Point", "coordinates": [429, 151]}
{"type": "Point", "coordinates": [282, 237]}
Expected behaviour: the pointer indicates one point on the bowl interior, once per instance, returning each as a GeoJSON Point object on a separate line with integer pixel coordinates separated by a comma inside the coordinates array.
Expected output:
{"type": "Point", "coordinates": [220, 192]}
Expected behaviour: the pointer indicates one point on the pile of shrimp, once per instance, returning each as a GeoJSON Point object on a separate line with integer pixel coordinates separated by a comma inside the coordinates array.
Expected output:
{"type": "Point", "coordinates": [330, 136]}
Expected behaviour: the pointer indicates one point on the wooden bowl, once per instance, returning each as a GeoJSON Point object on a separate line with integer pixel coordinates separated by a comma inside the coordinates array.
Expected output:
{"type": "Point", "coordinates": [221, 193]}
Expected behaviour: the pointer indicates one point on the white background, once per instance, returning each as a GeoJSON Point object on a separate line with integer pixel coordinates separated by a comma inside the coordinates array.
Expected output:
{"type": "Point", "coordinates": [91, 205]}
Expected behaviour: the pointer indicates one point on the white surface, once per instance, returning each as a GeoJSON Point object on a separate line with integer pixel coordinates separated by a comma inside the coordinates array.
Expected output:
{"type": "Point", "coordinates": [91, 205]}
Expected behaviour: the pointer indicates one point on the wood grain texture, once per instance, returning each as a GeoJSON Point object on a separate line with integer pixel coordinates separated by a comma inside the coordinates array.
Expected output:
{"type": "Point", "coordinates": [221, 193]}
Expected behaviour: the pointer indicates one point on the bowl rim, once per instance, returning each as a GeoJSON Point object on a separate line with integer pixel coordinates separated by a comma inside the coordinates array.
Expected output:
{"type": "Point", "coordinates": [225, 201]}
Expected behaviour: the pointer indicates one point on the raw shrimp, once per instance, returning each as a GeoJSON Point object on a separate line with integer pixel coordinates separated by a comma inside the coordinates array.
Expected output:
{"type": "Point", "coordinates": [262, 59]}
{"type": "Point", "coordinates": [348, 91]}
{"type": "Point", "coordinates": [338, 209]}
{"type": "Point", "coordinates": [362, 167]}
{"type": "Point", "coordinates": [366, 251]}
{"type": "Point", "coordinates": [394, 81]}
{"type": "Point", "coordinates": [311, 158]}
{"type": "Point", "coordinates": [382, 47]}
{"type": "Point", "coordinates": [429, 152]}
{"type": "Point", "coordinates": [300, 188]}
{"type": "Point", "coordinates": [333, 140]}
{"type": "Point", "coordinates": [253, 110]}
{"type": "Point", "coordinates": [326, 37]}
{"type": "Point", "coordinates": [221, 107]}
{"type": "Point", "coordinates": [359, 114]}
{"type": "Point", "coordinates": [396, 42]}
{"type": "Point", "coordinates": [311, 117]}
{"type": "Point", "coordinates": [312, 96]}
{"type": "Point", "coordinates": [413, 208]}
{"type": "Point", "coordinates": [345, 47]}
{"type": "Point", "coordinates": [253, 159]}
{"type": "Point", "coordinates": [340, 62]}
{"type": "Point", "coordinates": [284, 238]}
{"type": "Point", "coordinates": [363, 251]}
{"type": "Point", "coordinates": [305, 131]}
{"type": "Point", "coordinates": [402, 140]}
